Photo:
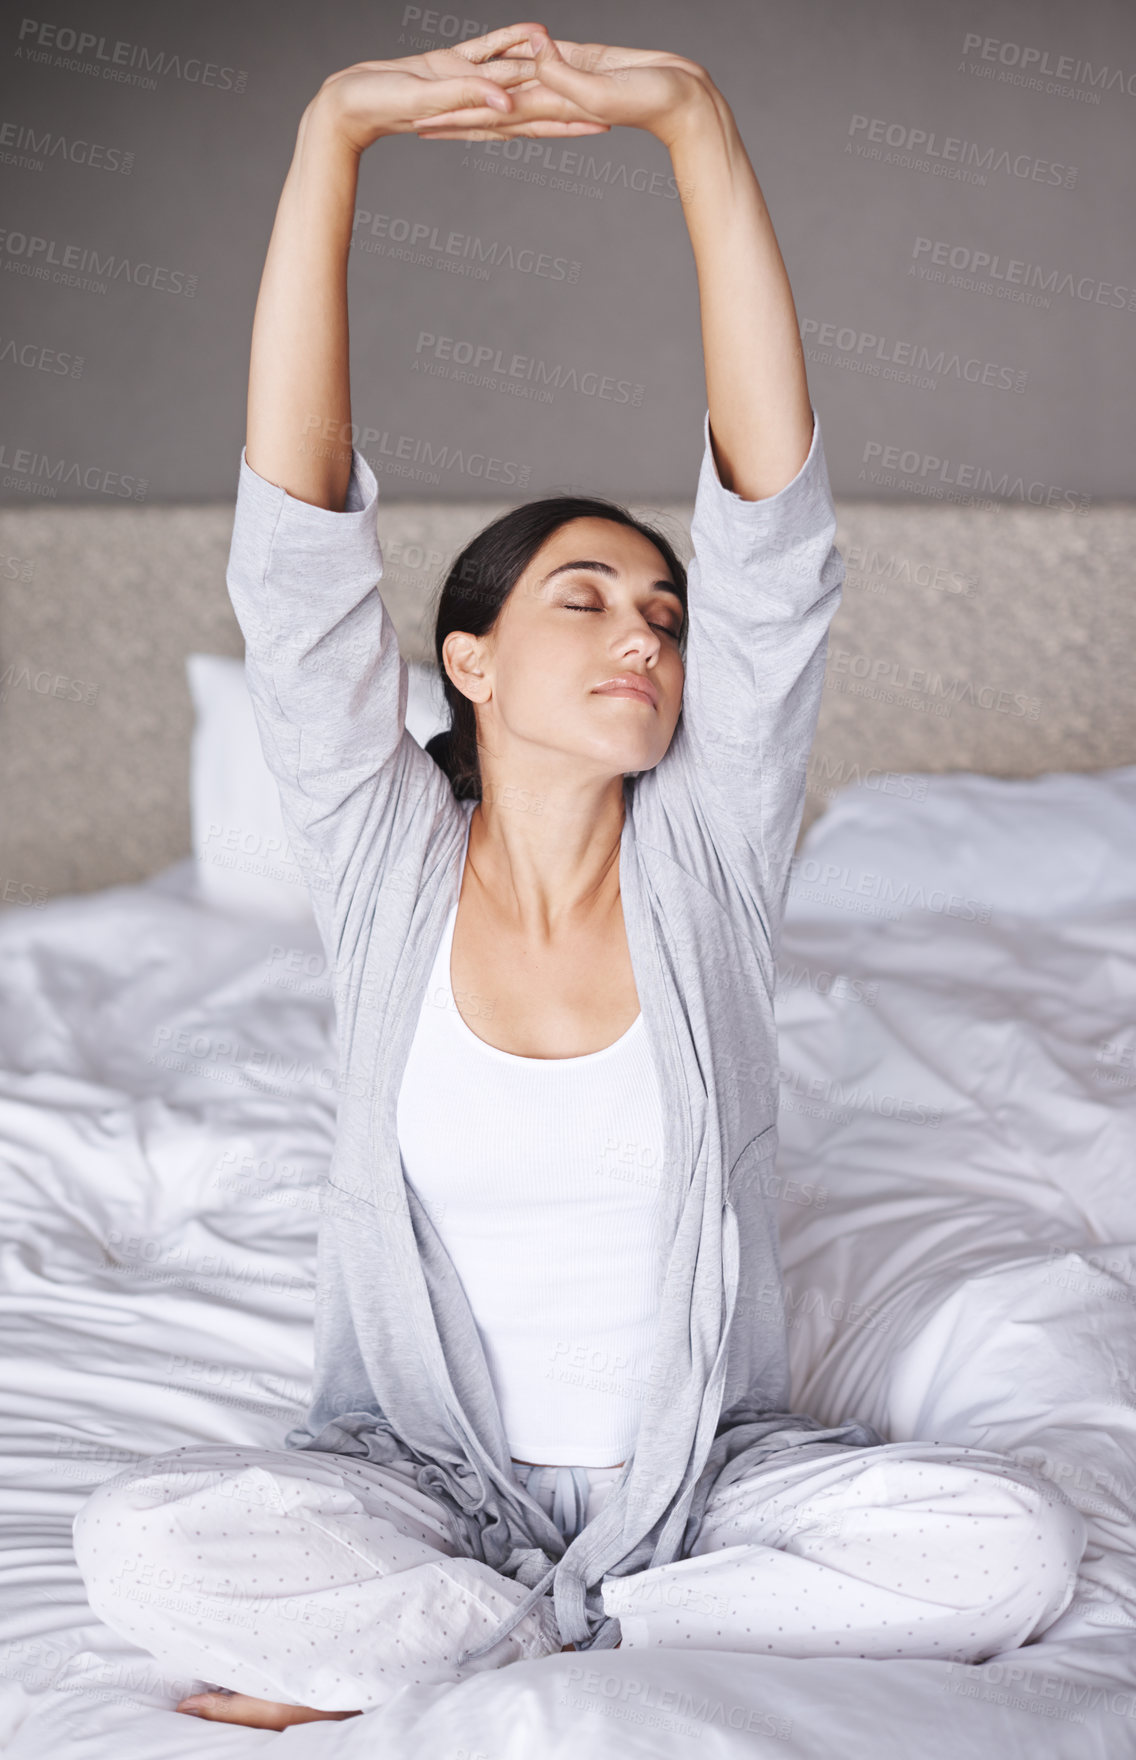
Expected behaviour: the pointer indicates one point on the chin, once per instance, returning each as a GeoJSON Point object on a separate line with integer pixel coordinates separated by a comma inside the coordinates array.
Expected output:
{"type": "Point", "coordinates": [634, 764]}
{"type": "Point", "coordinates": [627, 758]}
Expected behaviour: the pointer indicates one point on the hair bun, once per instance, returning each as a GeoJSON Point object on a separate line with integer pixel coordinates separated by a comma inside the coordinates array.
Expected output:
{"type": "Point", "coordinates": [441, 749]}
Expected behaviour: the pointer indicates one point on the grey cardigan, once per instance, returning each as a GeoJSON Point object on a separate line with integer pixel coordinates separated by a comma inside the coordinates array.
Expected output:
{"type": "Point", "coordinates": [706, 845]}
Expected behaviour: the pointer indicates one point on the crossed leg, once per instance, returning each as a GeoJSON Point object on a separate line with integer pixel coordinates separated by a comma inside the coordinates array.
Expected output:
{"type": "Point", "coordinates": [296, 1577]}
{"type": "Point", "coordinates": [319, 1581]}
{"type": "Point", "coordinates": [911, 1549]}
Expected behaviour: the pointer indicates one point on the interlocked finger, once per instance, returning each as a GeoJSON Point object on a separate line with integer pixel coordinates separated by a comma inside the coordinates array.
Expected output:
{"type": "Point", "coordinates": [541, 130]}
{"type": "Point", "coordinates": [508, 40]}
{"type": "Point", "coordinates": [534, 105]}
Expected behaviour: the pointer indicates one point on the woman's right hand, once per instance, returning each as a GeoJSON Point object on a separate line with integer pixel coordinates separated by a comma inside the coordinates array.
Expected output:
{"type": "Point", "coordinates": [376, 98]}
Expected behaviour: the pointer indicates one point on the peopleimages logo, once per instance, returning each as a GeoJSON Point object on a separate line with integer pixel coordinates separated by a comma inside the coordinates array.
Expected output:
{"type": "Point", "coordinates": [830, 774]}
{"type": "Point", "coordinates": [967, 261]}
{"type": "Point", "coordinates": [833, 882]}
{"type": "Point", "coordinates": [1036, 61]}
{"type": "Point", "coordinates": [44, 474]}
{"type": "Point", "coordinates": [855, 1097]}
{"type": "Point", "coordinates": [932, 475]}
{"type": "Point", "coordinates": [40, 358]}
{"type": "Point", "coordinates": [865, 346]}
{"type": "Point", "coordinates": [126, 63]}
{"type": "Point", "coordinates": [446, 25]}
{"type": "Point", "coordinates": [884, 677]}
{"type": "Point", "coordinates": [35, 149]}
{"type": "Point", "coordinates": [884, 568]}
{"type": "Point", "coordinates": [574, 163]}
{"type": "Point", "coordinates": [932, 151]}
{"type": "Point", "coordinates": [459, 251]}
{"type": "Point", "coordinates": [401, 454]}
{"type": "Point", "coordinates": [488, 359]}
{"type": "Point", "coordinates": [79, 265]}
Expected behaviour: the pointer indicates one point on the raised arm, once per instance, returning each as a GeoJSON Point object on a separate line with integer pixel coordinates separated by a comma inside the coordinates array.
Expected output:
{"type": "Point", "coordinates": [760, 415]}
{"type": "Point", "coordinates": [761, 420]}
{"type": "Point", "coordinates": [299, 392]}
{"type": "Point", "coordinates": [327, 683]}
{"type": "Point", "coordinates": [766, 577]}
{"type": "Point", "coordinates": [299, 398]}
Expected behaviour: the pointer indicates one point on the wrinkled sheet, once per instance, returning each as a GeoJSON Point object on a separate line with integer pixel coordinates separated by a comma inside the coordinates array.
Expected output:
{"type": "Point", "coordinates": [959, 1242]}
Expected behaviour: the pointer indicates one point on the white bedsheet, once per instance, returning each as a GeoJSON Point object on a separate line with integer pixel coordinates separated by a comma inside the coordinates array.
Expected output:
{"type": "Point", "coordinates": [959, 1235]}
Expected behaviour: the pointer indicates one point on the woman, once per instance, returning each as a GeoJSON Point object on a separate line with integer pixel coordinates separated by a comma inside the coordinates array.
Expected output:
{"type": "Point", "coordinates": [551, 1375]}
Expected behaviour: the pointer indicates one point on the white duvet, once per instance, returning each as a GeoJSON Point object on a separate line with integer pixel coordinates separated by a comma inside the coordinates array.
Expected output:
{"type": "Point", "coordinates": [958, 1014]}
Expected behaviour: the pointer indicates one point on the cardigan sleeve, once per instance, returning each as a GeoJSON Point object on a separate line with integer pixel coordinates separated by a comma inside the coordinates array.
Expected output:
{"type": "Point", "coordinates": [763, 585]}
{"type": "Point", "coordinates": [329, 688]}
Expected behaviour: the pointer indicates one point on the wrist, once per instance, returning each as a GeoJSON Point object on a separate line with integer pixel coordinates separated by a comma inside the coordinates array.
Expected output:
{"type": "Point", "coordinates": [703, 115]}
{"type": "Point", "coordinates": [327, 125]}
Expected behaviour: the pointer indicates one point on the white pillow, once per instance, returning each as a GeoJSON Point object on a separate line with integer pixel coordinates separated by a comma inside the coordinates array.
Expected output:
{"type": "Point", "coordinates": [426, 710]}
{"type": "Point", "coordinates": [973, 847]}
{"type": "Point", "coordinates": [239, 842]}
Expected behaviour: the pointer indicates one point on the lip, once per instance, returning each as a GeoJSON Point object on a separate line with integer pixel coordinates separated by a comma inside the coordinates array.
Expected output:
{"type": "Point", "coordinates": [630, 684]}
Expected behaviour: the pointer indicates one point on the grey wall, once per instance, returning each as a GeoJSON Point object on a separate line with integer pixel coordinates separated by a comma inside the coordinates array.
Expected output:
{"type": "Point", "coordinates": [987, 627]}
{"type": "Point", "coordinates": [1031, 396]}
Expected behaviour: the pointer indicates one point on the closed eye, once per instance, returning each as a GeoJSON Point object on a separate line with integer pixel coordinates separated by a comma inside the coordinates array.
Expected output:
{"type": "Point", "coordinates": [665, 627]}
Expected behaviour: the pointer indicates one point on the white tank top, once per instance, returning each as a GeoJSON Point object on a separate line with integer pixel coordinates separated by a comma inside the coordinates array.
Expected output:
{"type": "Point", "coordinates": [543, 1178]}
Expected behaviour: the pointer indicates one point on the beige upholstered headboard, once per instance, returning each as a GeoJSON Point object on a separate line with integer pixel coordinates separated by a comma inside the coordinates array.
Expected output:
{"type": "Point", "coordinates": [999, 641]}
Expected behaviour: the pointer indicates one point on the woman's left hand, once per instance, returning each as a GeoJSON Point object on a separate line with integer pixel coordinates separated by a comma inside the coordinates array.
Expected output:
{"type": "Point", "coordinates": [593, 83]}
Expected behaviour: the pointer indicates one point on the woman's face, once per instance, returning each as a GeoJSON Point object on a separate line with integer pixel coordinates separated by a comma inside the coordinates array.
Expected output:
{"type": "Point", "coordinates": [583, 661]}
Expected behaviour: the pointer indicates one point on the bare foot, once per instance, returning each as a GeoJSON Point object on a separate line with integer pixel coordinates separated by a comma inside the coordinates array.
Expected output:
{"type": "Point", "coordinates": [225, 1707]}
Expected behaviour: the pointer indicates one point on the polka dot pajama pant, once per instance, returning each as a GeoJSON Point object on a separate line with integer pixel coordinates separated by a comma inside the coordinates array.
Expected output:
{"type": "Point", "coordinates": [317, 1579]}
{"type": "Point", "coordinates": [910, 1549]}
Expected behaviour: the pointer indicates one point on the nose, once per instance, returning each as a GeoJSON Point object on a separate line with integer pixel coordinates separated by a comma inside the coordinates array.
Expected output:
{"type": "Point", "coordinates": [641, 640]}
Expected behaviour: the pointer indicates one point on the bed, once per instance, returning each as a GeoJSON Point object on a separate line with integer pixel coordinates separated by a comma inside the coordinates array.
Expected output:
{"type": "Point", "coordinates": [957, 1006]}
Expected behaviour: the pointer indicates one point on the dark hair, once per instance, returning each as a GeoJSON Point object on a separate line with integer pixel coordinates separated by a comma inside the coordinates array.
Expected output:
{"type": "Point", "coordinates": [476, 588]}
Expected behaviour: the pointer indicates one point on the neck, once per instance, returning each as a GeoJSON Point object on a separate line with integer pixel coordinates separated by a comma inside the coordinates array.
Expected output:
{"type": "Point", "coordinates": [545, 862]}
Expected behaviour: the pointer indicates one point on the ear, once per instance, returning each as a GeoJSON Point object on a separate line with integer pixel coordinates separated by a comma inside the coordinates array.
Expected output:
{"type": "Point", "coordinates": [464, 660]}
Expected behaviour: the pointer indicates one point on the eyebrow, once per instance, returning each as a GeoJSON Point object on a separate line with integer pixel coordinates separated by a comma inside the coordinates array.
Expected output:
{"type": "Point", "coordinates": [607, 569]}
